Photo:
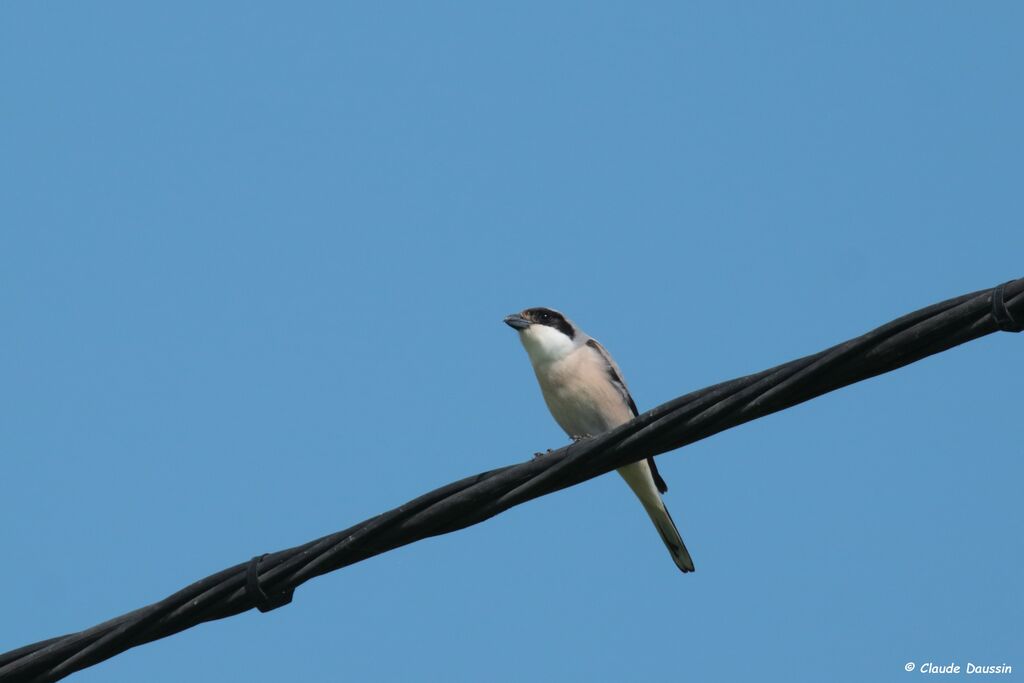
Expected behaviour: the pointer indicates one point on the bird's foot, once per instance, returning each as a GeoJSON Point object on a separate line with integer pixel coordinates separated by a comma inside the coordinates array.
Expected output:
{"type": "Point", "coordinates": [576, 438]}
{"type": "Point", "coordinates": [538, 454]}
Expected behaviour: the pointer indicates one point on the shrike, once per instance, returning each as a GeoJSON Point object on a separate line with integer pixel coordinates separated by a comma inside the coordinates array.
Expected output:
{"type": "Point", "coordinates": [586, 395]}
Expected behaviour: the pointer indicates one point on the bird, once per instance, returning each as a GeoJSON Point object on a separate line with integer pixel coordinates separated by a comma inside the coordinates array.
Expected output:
{"type": "Point", "coordinates": [586, 394]}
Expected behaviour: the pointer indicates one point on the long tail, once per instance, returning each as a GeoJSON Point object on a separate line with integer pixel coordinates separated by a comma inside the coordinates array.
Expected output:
{"type": "Point", "coordinates": [670, 535]}
{"type": "Point", "coordinates": [640, 479]}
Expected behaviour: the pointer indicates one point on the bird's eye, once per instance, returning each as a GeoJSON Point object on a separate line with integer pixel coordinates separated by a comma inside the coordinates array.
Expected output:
{"type": "Point", "coordinates": [545, 316]}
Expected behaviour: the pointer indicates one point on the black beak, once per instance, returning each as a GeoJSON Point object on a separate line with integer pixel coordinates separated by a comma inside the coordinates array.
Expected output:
{"type": "Point", "coordinates": [517, 321]}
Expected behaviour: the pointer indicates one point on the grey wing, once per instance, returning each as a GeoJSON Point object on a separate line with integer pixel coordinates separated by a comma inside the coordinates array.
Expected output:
{"type": "Point", "coordinates": [615, 375]}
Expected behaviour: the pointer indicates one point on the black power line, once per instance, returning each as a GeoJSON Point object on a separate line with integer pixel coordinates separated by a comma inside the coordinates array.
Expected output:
{"type": "Point", "coordinates": [267, 581]}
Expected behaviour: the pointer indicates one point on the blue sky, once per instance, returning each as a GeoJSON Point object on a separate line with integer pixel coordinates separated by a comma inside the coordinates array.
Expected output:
{"type": "Point", "coordinates": [253, 263]}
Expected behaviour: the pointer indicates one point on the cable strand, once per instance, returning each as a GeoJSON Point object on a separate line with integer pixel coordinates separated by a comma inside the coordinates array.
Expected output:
{"type": "Point", "coordinates": [472, 500]}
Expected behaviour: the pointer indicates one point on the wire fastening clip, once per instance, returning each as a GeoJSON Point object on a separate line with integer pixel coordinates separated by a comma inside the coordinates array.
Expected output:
{"type": "Point", "coordinates": [1004, 320]}
{"type": "Point", "coordinates": [254, 590]}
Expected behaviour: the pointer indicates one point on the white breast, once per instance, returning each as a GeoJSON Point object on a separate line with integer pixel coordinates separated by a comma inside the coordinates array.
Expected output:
{"type": "Point", "coordinates": [580, 394]}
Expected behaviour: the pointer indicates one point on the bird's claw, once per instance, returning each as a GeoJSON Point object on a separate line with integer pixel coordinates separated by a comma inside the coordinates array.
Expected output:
{"type": "Point", "coordinates": [575, 439]}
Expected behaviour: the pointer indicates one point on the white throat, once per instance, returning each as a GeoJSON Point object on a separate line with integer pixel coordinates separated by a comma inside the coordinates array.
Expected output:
{"type": "Point", "coordinates": [545, 344]}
